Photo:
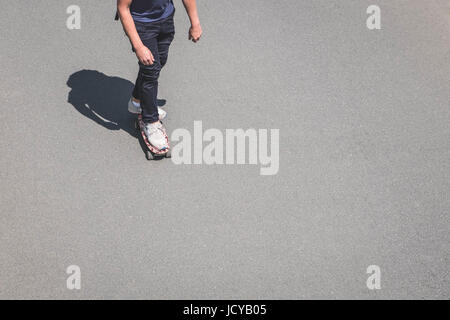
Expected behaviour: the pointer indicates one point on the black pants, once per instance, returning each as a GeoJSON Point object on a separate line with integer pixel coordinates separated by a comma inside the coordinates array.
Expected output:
{"type": "Point", "coordinates": [157, 37]}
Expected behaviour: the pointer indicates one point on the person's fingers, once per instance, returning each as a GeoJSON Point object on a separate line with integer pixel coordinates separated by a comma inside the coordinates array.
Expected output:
{"type": "Point", "coordinates": [149, 58]}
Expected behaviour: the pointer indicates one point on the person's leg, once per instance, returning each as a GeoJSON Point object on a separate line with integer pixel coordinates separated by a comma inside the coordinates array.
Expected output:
{"type": "Point", "coordinates": [136, 95]}
{"type": "Point", "coordinates": [147, 80]}
{"type": "Point", "coordinates": [148, 87]}
{"type": "Point", "coordinates": [165, 39]}
{"type": "Point", "coordinates": [147, 32]}
{"type": "Point", "coordinates": [148, 91]}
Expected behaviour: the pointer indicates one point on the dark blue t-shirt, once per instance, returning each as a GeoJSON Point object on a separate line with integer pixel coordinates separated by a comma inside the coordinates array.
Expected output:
{"type": "Point", "coordinates": [151, 10]}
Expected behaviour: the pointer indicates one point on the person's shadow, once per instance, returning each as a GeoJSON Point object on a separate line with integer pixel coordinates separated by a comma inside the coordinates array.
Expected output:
{"type": "Point", "coordinates": [103, 99]}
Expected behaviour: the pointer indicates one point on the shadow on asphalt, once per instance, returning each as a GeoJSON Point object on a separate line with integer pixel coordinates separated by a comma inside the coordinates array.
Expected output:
{"type": "Point", "coordinates": [103, 99]}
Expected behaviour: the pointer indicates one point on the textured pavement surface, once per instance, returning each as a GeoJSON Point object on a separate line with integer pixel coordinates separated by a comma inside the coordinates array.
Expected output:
{"type": "Point", "coordinates": [364, 154]}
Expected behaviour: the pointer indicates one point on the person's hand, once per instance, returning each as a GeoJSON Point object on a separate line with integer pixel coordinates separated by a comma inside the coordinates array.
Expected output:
{"type": "Point", "coordinates": [145, 56]}
{"type": "Point", "coordinates": [195, 32]}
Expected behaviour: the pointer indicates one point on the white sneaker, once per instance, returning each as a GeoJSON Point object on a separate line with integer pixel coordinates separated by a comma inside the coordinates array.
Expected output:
{"type": "Point", "coordinates": [135, 107]}
{"type": "Point", "coordinates": [156, 135]}
{"type": "Point", "coordinates": [162, 114]}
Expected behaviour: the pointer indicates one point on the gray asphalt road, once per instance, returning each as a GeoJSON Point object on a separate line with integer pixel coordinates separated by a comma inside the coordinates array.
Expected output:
{"type": "Point", "coordinates": [364, 154]}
